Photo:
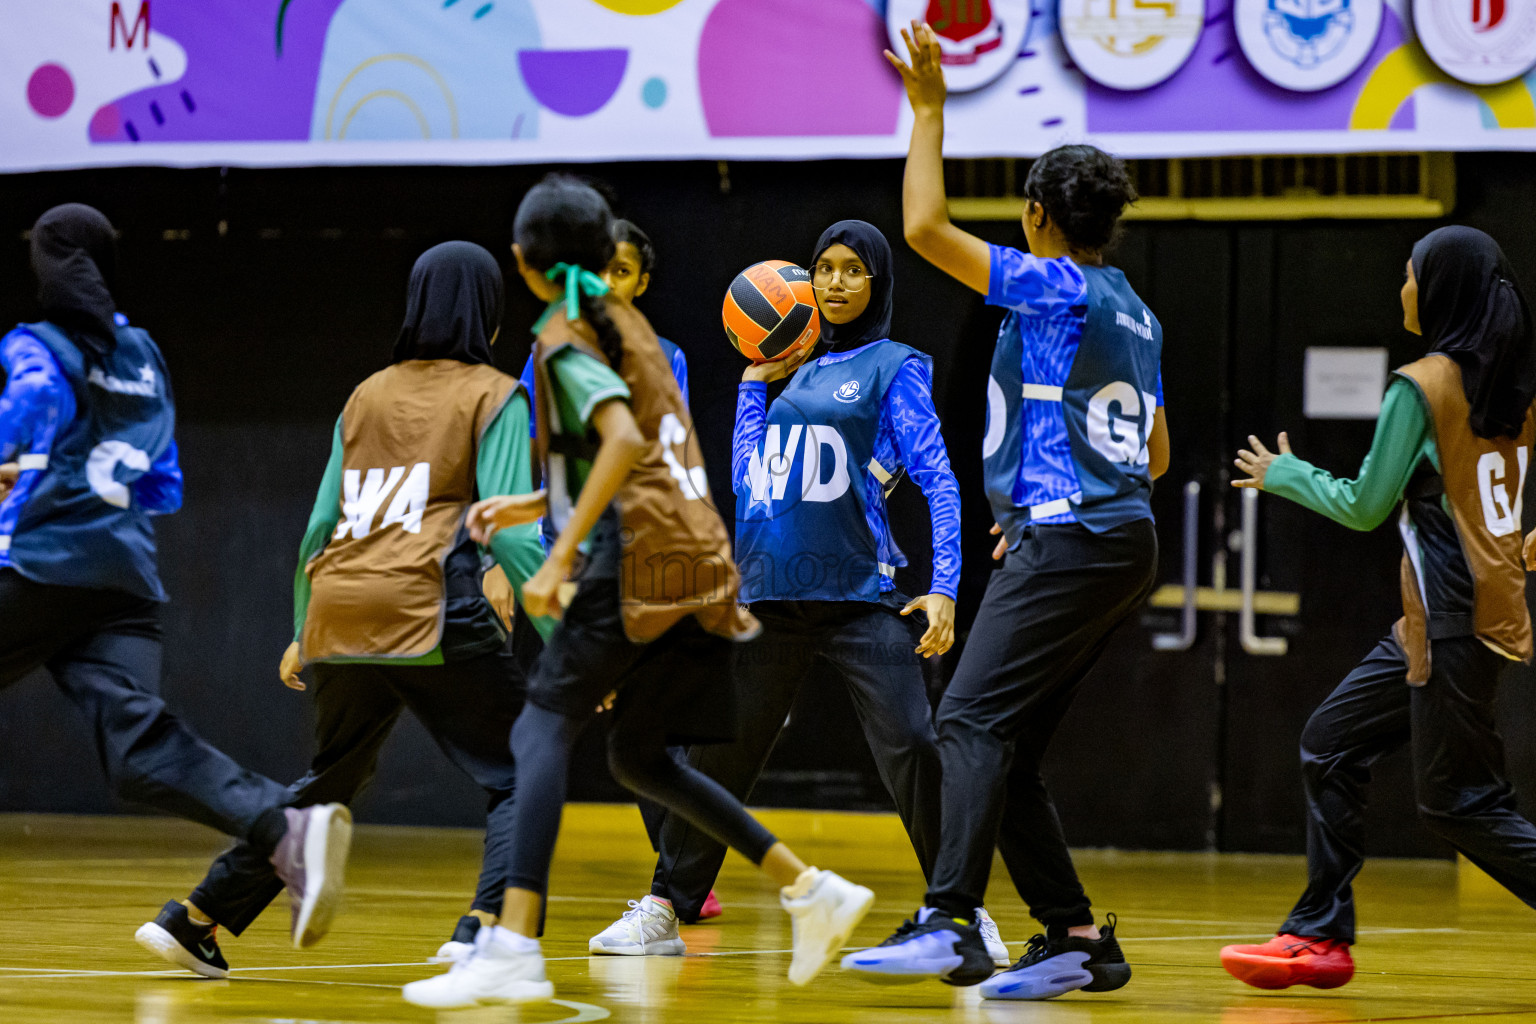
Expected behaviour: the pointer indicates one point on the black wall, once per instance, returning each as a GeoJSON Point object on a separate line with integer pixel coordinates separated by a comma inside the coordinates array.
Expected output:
{"type": "Point", "coordinates": [274, 292]}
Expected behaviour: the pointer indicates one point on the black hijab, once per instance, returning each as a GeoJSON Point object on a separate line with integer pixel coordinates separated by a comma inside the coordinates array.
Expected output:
{"type": "Point", "coordinates": [1471, 308]}
{"type": "Point", "coordinates": [74, 255]}
{"type": "Point", "coordinates": [874, 324]}
{"type": "Point", "coordinates": [454, 307]}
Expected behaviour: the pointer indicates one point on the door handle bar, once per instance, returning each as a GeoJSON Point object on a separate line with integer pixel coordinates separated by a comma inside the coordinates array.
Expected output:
{"type": "Point", "coordinates": [1260, 646]}
{"type": "Point", "coordinates": [1184, 639]}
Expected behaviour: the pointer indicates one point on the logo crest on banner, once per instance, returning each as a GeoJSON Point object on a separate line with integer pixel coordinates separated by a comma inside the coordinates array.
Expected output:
{"type": "Point", "coordinates": [848, 391]}
{"type": "Point", "coordinates": [1305, 45]}
{"type": "Point", "coordinates": [1480, 42]}
{"type": "Point", "coordinates": [978, 39]}
{"type": "Point", "coordinates": [1131, 44]}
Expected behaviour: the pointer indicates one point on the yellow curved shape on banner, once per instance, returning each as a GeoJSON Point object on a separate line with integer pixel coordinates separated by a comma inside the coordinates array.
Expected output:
{"type": "Point", "coordinates": [638, 7]}
{"type": "Point", "coordinates": [385, 58]}
{"type": "Point", "coordinates": [386, 94]}
{"type": "Point", "coordinates": [1407, 68]}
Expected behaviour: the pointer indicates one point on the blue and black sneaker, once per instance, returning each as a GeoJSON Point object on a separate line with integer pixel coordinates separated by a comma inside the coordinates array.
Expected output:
{"type": "Point", "coordinates": [172, 936]}
{"type": "Point", "coordinates": [930, 945]}
{"type": "Point", "coordinates": [1057, 963]}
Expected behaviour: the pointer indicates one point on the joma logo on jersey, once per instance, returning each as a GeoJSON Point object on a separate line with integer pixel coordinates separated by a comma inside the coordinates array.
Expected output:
{"type": "Point", "coordinates": [848, 391]}
{"type": "Point", "coordinates": [1142, 327]}
{"type": "Point", "coordinates": [821, 452]}
{"type": "Point", "coordinates": [364, 494]}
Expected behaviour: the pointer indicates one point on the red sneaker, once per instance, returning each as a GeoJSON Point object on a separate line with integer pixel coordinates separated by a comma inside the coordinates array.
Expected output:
{"type": "Point", "coordinates": [711, 907]}
{"type": "Point", "coordinates": [1287, 960]}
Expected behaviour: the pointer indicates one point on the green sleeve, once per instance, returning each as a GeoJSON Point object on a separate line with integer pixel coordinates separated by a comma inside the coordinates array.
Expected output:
{"type": "Point", "coordinates": [322, 524]}
{"type": "Point", "coordinates": [1402, 439]}
{"type": "Point", "coordinates": [502, 467]}
{"type": "Point", "coordinates": [582, 383]}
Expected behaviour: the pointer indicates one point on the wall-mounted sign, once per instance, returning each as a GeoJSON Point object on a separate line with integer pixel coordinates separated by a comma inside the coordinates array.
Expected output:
{"type": "Point", "coordinates": [1481, 42]}
{"type": "Point", "coordinates": [1131, 44]}
{"type": "Point", "coordinates": [1344, 383]}
{"type": "Point", "coordinates": [978, 39]}
{"type": "Point", "coordinates": [1307, 45]}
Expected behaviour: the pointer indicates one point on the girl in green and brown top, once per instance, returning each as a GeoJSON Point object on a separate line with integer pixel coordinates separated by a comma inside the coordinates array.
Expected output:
{"type": "Point", "coordinates": [654, 611]}
{"type": "Point", "coordinates": [1452, 444]}
{"type": "Point", "coordinates": [387, 601]}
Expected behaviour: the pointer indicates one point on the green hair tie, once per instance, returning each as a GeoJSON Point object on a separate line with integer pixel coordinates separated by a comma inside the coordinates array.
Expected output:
{"type": "Point", "coordinates": [577, 282]}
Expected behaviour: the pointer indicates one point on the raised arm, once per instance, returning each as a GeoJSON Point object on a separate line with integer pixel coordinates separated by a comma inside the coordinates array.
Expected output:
{"type": "Point", "coordinates": [924, 207]}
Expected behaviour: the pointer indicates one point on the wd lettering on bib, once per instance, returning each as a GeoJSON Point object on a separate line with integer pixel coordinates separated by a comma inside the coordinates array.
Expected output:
{"type": "Point", "coordinates": [820, 461]}
{"type": "Point", "coordinates": [801, 529]}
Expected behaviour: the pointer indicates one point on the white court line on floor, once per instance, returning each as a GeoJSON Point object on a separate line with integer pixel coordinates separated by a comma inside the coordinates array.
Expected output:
{"type": "Point", "coordinates": [44, 973]}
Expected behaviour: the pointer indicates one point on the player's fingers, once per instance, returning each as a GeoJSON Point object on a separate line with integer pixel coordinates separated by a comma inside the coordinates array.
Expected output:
{"type": "Point", "coordinates": [1285, 443]}
{"type": "Point", "coordinates": [897, 63]}
{"type": "Point", "coordinates": [1258, 445]}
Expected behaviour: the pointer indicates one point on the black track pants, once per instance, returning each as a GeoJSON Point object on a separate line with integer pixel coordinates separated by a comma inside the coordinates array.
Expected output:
{"type": "Point", "coordinates": [103, 649]}
{"type": "Point", "coordinates": [1048, 613]}
{"type": "Point", "coordinates": [468, 708]}
{"type": "Point", "coordinates": [1458, 766]}
{"type": "Point", "coordinates": [872, 647]}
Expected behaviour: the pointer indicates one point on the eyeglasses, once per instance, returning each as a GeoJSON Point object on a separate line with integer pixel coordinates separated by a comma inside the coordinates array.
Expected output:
{"type": "Point", "coordinates": [853, 278]}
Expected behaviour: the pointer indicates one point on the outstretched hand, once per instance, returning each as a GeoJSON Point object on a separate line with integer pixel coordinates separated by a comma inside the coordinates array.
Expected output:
{"type": "Point", "coordinates": [924, 75]}
{"type": "Point", "coordinates": [1256, 463]}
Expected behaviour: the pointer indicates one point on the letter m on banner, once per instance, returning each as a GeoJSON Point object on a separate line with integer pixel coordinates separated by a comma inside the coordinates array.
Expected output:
{"type": "Point", "coordinates": [129, 35]}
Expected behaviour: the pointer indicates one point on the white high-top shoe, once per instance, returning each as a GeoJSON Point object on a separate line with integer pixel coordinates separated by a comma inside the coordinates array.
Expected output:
{"type": "Point", "coordinates": [493, 973]}
{"type": "Point", "coordinates": [996, 948]}
{"type": "Point", "coordinates": [647, 928]}
{"type": "Point", "coordinates": [824, 909]}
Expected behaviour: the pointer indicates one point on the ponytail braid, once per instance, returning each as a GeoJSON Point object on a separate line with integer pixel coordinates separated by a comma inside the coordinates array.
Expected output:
{"type": "Point", "coordinates": [594, 310]}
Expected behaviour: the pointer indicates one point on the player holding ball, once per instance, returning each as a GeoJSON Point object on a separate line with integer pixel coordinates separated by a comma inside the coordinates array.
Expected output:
{"type": "Point", "coordinates": [811, 473]}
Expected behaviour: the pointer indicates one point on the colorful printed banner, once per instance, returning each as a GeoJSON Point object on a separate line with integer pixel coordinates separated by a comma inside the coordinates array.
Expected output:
{"type": "Point", "coordinates": [294, 82]}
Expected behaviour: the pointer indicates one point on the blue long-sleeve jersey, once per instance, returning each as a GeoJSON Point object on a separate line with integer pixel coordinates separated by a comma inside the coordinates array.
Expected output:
{"type": "Point", "coordinates": [908, 439]}
{"type": "Point", "coordinates": [37, 407]}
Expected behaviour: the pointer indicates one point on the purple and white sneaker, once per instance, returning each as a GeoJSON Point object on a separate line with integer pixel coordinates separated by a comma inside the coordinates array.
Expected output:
{"type": "Point", "coordinates": [311, 859]}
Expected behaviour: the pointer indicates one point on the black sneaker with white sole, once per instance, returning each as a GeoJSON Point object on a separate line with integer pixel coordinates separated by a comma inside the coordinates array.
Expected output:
{"type": "Point", "coordinates": [930, 945]}
{"type": "Point", "coordinates": [1056, 963]}
{"type": "Point", "coordinates": [173, 937]}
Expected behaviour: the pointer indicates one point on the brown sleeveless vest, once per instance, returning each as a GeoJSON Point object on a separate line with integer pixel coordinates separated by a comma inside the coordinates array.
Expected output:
{"type": "Point", "coordinates": [409, 436]}
{"type": "Point", "coordinates": [676, 558]}
{"type": "Point", "coordinates": [1483, 480]}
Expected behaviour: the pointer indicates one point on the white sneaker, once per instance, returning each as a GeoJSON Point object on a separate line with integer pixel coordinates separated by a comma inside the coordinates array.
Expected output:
{"type": "Point", "coordinates": [451, 952]}
{"type": "Point", "coordinates": [493, 973]}
{"type": "Point", "coordinates": [996, 948]}
{"type": "Point", "coordinates": [822, 917]}
{"type": "Point", "coordinates": [648, 928]}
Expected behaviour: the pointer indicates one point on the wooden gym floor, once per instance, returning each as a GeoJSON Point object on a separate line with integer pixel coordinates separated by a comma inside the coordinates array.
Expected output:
{"type": "Point", "coordinates": [1438, 944]}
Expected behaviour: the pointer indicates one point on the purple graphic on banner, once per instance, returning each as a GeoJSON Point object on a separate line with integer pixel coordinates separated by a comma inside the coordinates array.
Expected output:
{"type": "Point", "coordinates": [796, 67]}
{"type": "Point", "coordinates": [1219, 91]}
{"type": "Point", "coordinates": [237, 87]}
{"type": "Point", "coordinates": [573, 82]}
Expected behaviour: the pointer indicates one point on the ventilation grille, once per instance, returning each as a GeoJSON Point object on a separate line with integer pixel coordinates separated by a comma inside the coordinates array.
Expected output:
{"type": "Point", "coordinates": [1368, 185]}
